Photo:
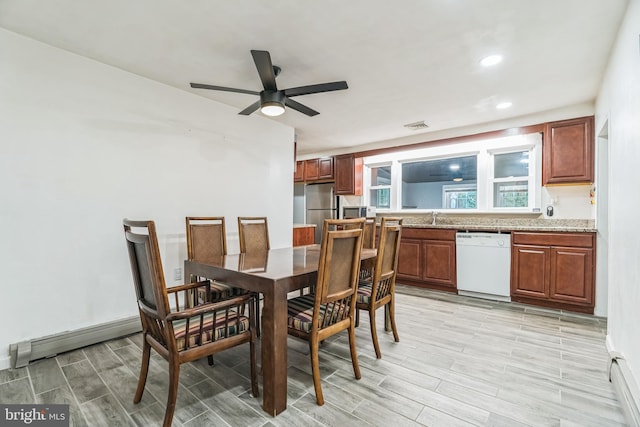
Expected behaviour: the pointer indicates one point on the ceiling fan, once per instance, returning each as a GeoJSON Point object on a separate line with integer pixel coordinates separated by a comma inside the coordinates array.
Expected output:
{"type": "Point", "coordinates": [272, 101]}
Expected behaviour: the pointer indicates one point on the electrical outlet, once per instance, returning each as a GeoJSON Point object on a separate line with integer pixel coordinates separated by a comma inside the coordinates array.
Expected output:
{"type": "Point", "coordinates": [177, 273]}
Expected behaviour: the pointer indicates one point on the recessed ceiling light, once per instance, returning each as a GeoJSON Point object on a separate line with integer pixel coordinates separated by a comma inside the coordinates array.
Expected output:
{"type": "Point", "coordinates": [491, 60]}
{"type": "Point", "coordinates": [504, 105]}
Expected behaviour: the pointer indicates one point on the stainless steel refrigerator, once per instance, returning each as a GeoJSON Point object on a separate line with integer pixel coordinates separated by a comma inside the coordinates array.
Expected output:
{"type": "Point", "coordinates": [321, 204]}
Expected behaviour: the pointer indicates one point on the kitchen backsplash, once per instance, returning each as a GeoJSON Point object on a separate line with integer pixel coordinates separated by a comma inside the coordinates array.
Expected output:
{"type": "Point", "coordinates": [569, 202]}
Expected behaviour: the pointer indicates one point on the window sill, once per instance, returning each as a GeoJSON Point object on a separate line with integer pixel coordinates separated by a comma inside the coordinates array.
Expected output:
{"type": "Point", "coordinates": [456, 212]}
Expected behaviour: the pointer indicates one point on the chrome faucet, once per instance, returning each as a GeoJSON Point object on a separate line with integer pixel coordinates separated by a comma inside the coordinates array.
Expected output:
{"type": "Point", "coordinates": [434, 218]}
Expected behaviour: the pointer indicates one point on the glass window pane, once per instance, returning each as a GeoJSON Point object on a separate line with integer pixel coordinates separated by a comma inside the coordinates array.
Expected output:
{"type": "Point", "coordinates": [459, 197]}
{"type": "Point", "coordinates": [511, 194]}
{"type": "Point", "coordinates": [424, 183]}
{"type": "Point", "coordinates": [381, 176]}
{"type": "Point", "coordinates": [511, 164]}
{"type": "Point", "coordinates": [380, 198]}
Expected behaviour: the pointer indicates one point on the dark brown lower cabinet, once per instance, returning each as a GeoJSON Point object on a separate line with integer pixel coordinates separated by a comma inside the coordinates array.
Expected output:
{"type": "Point", "coordinates": [304, 236]}
{"type": "Point", "coordinates": [427, 258]}
{"type": "Point", "coordinates": [554, 270]}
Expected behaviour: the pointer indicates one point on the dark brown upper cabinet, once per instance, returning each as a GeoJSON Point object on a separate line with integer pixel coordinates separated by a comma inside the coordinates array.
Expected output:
{"type": "Point", "coordinates": [567, 152]}
{"type": "Point", "coordinates": [318, 169]}
{"type": "Point", "coordinates": [298, 175]}
{"type": "Point", "coordinates": [348, 175]}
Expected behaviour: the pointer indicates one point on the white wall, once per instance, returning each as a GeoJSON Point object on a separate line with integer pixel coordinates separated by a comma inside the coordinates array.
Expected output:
{"type": "Point", "coordinates": [568, 201]}
{"type": "Point", "coordinates": [84, 145]}
{"type": "Point", "coordinates": [619, 102]}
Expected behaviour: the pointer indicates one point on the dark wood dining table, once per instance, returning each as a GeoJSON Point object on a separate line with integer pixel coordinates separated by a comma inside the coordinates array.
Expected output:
{"type": "Point", "coordinates": [274, 274]}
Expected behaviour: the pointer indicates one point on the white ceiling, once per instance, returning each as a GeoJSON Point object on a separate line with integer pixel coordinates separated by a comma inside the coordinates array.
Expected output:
{"type": "Point", "coordinates": [404, 61]}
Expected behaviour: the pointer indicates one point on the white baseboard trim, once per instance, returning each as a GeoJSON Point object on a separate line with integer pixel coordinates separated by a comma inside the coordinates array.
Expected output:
{"type": "Point", "coordinates": [626, 388]}
{"type": "Point", "coordinates": [26, 351]}
{"type": "Point", "coordinates": [5, 363]}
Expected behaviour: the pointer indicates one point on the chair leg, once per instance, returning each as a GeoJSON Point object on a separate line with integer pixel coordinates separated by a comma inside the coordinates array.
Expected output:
{"type": "Point", "coordinates": [392, 317]}
{"type": "Point", "coordinates": [254, 370]}
{"type": "Point", "coordinates": [357, 316]}
{"type": "Point", "coordinates": [210, 359]}
{"type": "Point", "coordinates": [174, 373]}
{"type": "Point", "coordinates": [374, 332]}
{"type": "Point", "coordinates": [144, 369]}
{"type": "Point", "coordinates": [258, 315]}
{"type": "Point", "coordinates": [315, 368]}
{"type": "Point", "coordinates": [352, 348]}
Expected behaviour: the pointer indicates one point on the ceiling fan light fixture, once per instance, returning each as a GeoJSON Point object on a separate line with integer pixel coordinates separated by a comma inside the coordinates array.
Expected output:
{"type": "Point", "coordinates": [272, 109]}
{"type": "Point", "coordinates": [272, 103]}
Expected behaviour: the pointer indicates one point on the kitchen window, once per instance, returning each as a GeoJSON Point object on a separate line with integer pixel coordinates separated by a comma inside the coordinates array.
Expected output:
{"type": "Point", "coordinates": [510, 179]}
{"type": "Point", "coordinates": [426, 184]}
{"type": "Point", "coordinates": [380, 187]}
{"type": "Point", "coordinates": [501, 174]}
{"type": "Point", "coordinates": [459, 196]}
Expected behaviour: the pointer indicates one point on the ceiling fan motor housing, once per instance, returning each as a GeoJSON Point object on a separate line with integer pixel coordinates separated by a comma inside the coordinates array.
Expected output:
{"type": "Point", "coordinates": [268, 97]}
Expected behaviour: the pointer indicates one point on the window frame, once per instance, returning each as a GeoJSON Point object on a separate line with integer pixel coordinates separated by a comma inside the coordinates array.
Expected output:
{"type": "Point", "coordinates": [485, 151]}
{"type": "Point", "coordinates": [531, 178]}
{"type": "Point", "coordinates": [458, 186]}
{"type": "Point", "coordinates": [369, 187]}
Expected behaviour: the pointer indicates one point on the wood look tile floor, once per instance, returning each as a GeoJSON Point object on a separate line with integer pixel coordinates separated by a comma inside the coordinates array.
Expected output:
{"type": "Point", "coordinates": [460, 362]}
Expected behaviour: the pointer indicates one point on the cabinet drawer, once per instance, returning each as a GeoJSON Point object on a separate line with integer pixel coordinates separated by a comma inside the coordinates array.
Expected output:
{"type": "Point", "coordinates": [429, 233]}
{"type": "Point", "coordinates": [579, 240]}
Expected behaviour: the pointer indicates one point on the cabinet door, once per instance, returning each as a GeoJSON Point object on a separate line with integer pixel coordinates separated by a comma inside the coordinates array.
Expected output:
{"type": "Point", "coordinates": [298, 175]}
{"type": "Point", "coordinates": [439, 258]}
{"type": "Point", "coordinates": [572, 275]}
{"type": "Point", "coordinates": [348, 175]}
{"type": "Point", "coordinates": [325, 168]}
{"type": "Point", "coordinates": [409, 259]}
{"type": "Point", "coordinates": [311, 170]}
{"type": "Point", "coordinates": [530, 271]}
{"type": "Point", "coordinates": [304, 236]}
{"type": "Point", "coordinates": [568, 151]}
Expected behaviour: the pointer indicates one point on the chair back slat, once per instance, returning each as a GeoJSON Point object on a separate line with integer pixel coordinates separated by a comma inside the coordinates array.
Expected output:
{"type": "Point", "coordinates": [253, 233]}
{"type": "Point", "coordinates": [206, 238]}
{"type": "Point", "coordinates": [339, 265]}
{"type": "Point", "coordinates": [369, 236]}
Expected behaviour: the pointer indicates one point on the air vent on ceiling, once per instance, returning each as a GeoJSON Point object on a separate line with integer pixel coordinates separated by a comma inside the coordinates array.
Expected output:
{"type": "Point", "coordinates": [416, 125]}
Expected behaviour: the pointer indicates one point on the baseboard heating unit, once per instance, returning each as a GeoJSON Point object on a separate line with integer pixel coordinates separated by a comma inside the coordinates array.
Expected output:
{"type": "Point", "coordinates": [626, 388]}
{"type": "Point", "coordinates": [26, 351]}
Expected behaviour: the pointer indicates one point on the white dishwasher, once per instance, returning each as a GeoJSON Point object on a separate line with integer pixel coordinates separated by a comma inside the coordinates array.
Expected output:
{"type": "Point", "coordinates": [483, 265]}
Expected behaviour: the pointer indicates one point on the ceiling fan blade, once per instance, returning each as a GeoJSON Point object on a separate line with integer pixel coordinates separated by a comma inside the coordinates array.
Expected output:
{"type": "Point", "coordinates": [250, 109]}
{"type": "Point", "coordinates": [299, 107]}
{"type": "Point", "coordinates": [322, 87]}
{"type": "Point", "coordinates": [225, 89]}
{"type": "Point", "coordinates": [265, 69]}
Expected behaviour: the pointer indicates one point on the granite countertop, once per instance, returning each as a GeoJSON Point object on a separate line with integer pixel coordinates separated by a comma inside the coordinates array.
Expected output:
{"type": "Point", "coordinates": [502, 224]}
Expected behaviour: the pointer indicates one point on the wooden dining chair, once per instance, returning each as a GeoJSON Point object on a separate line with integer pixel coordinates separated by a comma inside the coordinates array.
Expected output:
{"type": "Point", "coordinates": [330, 309]}
{"type": "Point", "coordinates": [368, 226]}
{"type": "Point", "coordinates": [175, 323]}
{"type": "Point", "coordinates": [253, 233]}
{"type": "Point", "coordinates": [207, 242]}
{"type": "Point", "coordinates": [380, 290]}
{"type": "Point", "coordinates": [369, 236]}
